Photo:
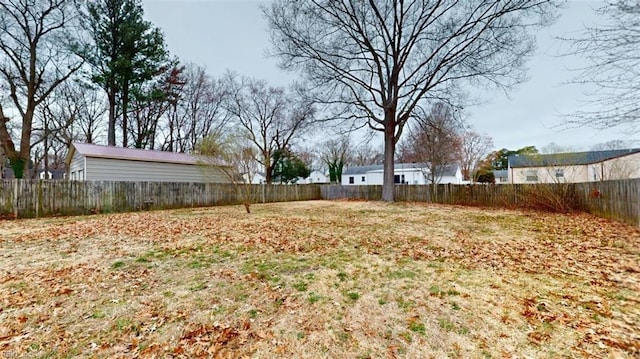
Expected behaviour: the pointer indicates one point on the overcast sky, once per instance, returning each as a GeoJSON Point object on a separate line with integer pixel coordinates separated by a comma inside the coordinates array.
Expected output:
{"type": "Point", "coordinates": [231, 35]}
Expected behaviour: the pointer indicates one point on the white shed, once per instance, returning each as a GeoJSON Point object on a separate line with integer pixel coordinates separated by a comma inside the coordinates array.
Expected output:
{"type": "Point", "coordinates": [88, 162]}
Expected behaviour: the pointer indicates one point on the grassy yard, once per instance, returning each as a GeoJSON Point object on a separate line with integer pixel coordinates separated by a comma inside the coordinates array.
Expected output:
{"type": "Point", "coordinates": [320, 280]}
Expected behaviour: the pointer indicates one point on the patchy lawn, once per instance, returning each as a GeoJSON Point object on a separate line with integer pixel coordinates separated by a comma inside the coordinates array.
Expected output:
{"type": "Point", "coordinates": [320, 279]}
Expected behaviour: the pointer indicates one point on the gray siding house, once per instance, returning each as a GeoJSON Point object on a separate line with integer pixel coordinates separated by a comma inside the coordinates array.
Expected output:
{"type": "Point", "coordinates": [88, 162]}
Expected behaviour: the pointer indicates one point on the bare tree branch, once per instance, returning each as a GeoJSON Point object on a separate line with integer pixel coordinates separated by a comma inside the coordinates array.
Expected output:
{"type": "Point", "coordinates": [35, 57]}
{"type": "Point", "coordinates": [611, 49]}
{"type": "Point", "coordinates": [385, 58]}
{"type": "Point", "coordinates": [272, 118]}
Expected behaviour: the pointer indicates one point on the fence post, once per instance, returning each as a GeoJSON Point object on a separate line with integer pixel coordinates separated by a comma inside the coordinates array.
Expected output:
{"type": "Point", "coordinates": [38, 189]}
{"type": "Point", "coordinates": [15, 197]}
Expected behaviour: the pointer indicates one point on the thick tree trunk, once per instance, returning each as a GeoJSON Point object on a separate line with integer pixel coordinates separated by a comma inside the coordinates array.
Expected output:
{"type": "Point", "coordinates": [46, 151]}
{"type": "Point", "coordinates": [18, 160]}
{"type": "Point", "coordinates": [268, 170]}
{"type": "Point", "coordinates": [111, 132]}
{"type": "Point", "coordinates": [389, 154]}
{"type": "Point", "coordinates": [125, 107]}
{"type": "Point", "coordinates": [18, 165]}
{"type": "Point", "coordinates": [21, 167]}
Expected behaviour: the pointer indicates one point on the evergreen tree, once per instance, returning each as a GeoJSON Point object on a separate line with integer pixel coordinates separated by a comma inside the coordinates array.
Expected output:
{"type": "Point", "coordinates": [126, 51]}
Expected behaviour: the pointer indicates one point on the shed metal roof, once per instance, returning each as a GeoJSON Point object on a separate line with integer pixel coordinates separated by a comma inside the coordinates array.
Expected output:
{"type": "Point", "coordinates": [567, 159]}
{"type": "Point", "coordinates": [135, 154]}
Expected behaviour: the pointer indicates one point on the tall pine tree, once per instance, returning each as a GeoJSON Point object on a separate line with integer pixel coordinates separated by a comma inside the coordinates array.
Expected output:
{"type": "Point", "coordinates": [126, 51]}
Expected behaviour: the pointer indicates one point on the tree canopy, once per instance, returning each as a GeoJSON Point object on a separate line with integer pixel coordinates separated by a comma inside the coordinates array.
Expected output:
{"type": "Point", "coordinates": [289, 167]}
{"type": "Point", "coordinates": [125, 51]}
{"type": "Point", "coordinates": [380, 60]}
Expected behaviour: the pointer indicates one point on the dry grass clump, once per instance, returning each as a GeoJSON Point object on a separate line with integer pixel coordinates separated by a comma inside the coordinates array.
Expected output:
{"type": "Point", "coordinates": [320, 280]}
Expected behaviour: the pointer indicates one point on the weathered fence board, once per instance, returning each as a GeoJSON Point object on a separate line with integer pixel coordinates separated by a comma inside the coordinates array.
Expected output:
{"type": "Point", "coordinates": [619, 200]}
{"type": "Point", "coordinates": [40, 198]}
{"type": "Point", "coordinates": [483, 195]}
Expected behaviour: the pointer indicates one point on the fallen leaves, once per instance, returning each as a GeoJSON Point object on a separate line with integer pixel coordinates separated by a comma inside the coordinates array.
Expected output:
{"type": "Point", "coordinates": [210, 283]}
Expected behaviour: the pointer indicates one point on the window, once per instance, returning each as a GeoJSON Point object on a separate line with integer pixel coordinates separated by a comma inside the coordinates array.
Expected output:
{"type": "Point", "coordinates": [531, 175]}
{"type": "Point", "coordinates": [81, 175]}
{"type": "Point", "coordinates": [559, 173]}
{"type": "Point", "coordinates": [363, 179]}
{"type": "Point", "coordinates": [351, 180]}
{"type": "Point", "coordinates": [397, 179]}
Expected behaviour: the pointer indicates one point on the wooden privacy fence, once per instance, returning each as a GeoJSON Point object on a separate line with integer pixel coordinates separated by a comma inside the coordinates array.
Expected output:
{"type": "Point", "coordinates": [478, 194]}
{"type": "Point", "coordinates": [484, 195]}
{"type": "Point", "coordinates": [39, 198]}
{"type": "Point", "coordinates": [619, 200]}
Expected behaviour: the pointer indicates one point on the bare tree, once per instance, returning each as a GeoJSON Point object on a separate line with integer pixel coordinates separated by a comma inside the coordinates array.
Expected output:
{"type": "Point", "coordinates": [151, 101]}
{"type": "Point", "coordinates": [35, 57]}
{"type": "Point", "coordinates": [613, 145]}
{"type": "Point", "coordinates": [365, 155]}
{"type": "Point", "coordinates": [611, 49]}
{"type": "Point", "coordinates": [200, 110]}
{"type": "Point", "coordinates": [553, 147]}
{"type": "Point", "coordinates": [237, 155]}
{"type": "Point", "coordinates": [272, 117]}
{"type": "Point", "coordinates": [474, 148]}
{"type": "Point", "coordinates": [434, 142]}
{"type": "Point", "coordinates": [334, 154]}
{"type": "Point", "coordinates": [383, 58]}
{"type": "Point", "coordinates": [73, 112]}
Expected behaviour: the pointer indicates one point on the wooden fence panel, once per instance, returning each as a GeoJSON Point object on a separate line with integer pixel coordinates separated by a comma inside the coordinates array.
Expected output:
{"type": "Point", "coordinates": [619, 200]}
{"type": "Point", "coordinates": [22, 198]}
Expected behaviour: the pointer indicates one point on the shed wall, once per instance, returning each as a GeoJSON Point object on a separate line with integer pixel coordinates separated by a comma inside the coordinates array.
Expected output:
{"type": "Point", "coordinates": [76, 167]}
{"type": "Point", "coordinates": [107, 169]}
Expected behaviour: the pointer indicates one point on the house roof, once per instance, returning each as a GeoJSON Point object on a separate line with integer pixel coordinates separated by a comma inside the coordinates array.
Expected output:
{"type": "Point", "coordinates": [134, 154]}
{"type": "Point", "coordinates": [567, 159]}
{"type": "Point", "coordinates": [448, 170]}
{"type": "Point", "coordinates": [500, 173]}
{"type": "Point", "coordinates": [360, 170]}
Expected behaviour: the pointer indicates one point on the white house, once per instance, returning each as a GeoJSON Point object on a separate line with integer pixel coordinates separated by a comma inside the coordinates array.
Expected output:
{"type": "Point", "coordinates": [404, 173]}
{"type": "Point", "coordinates": [256, 178]}
{"type": "Point", "coordinates": [501, 176]}
{"type": "Point", "coordinates": [575, 167]}
{"type": "Point", "coordinates": [88, 162]}
{"type": "Point", "coordinates": [314, 177]}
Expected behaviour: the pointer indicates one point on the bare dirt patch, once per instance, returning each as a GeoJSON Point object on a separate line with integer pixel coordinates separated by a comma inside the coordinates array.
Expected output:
{"type": "Point", "coordinates": [320, 279]}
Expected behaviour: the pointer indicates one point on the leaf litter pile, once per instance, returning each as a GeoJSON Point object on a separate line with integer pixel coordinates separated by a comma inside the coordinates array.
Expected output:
{"type": "Point", "coordinates": [320, 280]}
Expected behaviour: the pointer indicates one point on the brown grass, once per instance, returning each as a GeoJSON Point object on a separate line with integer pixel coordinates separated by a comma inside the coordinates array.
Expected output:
{"type": "Point", "coordinates": [320, 280]}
